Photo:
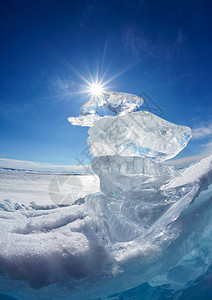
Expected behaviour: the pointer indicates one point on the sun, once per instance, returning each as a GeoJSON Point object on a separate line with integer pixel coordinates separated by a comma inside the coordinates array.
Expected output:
{"type": "Point", "coordinates": [95, 86]}
{"type": "Point", "coordinates": [96, 89]}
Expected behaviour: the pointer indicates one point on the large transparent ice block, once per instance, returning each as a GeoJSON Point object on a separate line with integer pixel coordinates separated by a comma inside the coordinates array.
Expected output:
{"type": "Point", "coordinates": [119, 174]}
{"type": "Point", "coordinates": [137, 134]}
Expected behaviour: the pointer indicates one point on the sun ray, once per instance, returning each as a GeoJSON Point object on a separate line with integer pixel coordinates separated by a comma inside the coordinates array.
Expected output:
{"type": "Point", "coordinates": [117, 75]}
{"type": "Point", "coordinates": [97, 84]}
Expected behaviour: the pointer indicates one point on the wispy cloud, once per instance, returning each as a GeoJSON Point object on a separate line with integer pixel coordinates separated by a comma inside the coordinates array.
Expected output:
{"type": "Point", "coordinates": [63, 86]}
{"type": "Point", "coordinates": [202, 132]}
{"type": "Point", "coordinates": [136, 43]}
{"type": "Point", "coordinates": [86, 14]}
{"type": "Point", "coordinates": [31, 165]}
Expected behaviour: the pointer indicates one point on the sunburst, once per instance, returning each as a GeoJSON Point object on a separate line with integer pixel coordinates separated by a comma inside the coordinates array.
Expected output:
{"type": "Point", "coordinates": [96, 89]}
{"type": "Point", "coordinates": [94, 86]}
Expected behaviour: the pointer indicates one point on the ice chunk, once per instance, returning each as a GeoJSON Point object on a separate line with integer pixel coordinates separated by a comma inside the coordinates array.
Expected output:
{"type": "Point", "coordinates": [119, 103]}
{"type": "Point", "coordinates": [123, 173]}
{"type": "Point", "coordinates": [87, 120]}
{"type": "Point", "coordinates": [137, 134]}
{"type": "Point", "coordinates": [138, 214]}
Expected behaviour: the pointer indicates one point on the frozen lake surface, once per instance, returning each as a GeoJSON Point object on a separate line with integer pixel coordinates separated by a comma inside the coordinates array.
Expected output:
{"type": "Point", "coordinates": [25, 186]}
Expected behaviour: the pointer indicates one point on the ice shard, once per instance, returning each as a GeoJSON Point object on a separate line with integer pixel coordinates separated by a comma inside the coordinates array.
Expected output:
{"type": "Point", "coordinates": [86, 121]}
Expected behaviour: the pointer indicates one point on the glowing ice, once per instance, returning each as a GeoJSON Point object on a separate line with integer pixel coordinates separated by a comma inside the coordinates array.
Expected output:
{"type": "Point", "coordinates": [130, 132]}
{"type": "Point", "coordinates": [119, 103]}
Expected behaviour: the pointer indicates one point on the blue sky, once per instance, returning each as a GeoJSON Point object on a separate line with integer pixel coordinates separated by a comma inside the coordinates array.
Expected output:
{"type": "Point", "coordinates": [160, 47]}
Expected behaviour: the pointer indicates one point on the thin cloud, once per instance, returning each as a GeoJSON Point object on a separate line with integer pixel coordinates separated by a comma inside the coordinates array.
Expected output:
{"type": "Point", "coordinates": [202, 132]}
{"type": "Point", "coordinates": [31, 165]}
{"type": "Point", "coordinates": [135, 43]}
{"type": "Point", "coordinates": [86, 14]}
{"type": "Point", "coordinates": [63, 87]}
